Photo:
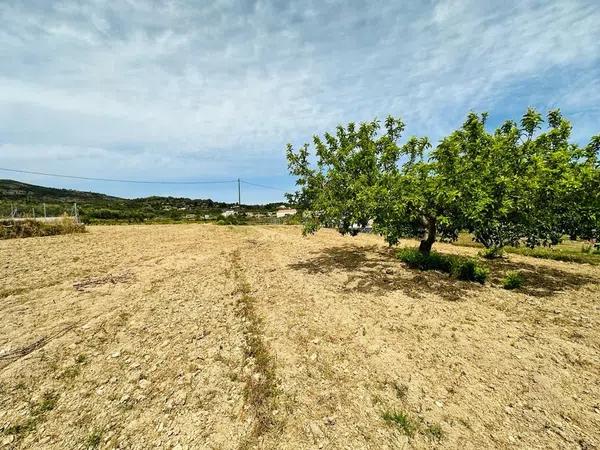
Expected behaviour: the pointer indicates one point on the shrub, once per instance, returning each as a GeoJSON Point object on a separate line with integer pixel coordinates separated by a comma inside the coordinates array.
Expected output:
{"type": "Point", "coordinates": [467, 269]}
{"type": "Point", "coordinates": [513, 280]}
{"type": "Point", "coordinates": [492, 252]}
{"type": "Point", "coordinates": [32, 228]}
{"type": "Point", "coordinates": [417, 260]}
{"type": "Point", "coordinates": [235, 219]}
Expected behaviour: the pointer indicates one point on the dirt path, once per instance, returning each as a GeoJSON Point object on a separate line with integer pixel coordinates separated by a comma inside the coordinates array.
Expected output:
{"type": "Point", "coordinates": [254, 337]}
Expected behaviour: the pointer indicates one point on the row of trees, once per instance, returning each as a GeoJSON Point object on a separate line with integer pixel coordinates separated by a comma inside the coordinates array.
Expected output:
{"type": "Point", "coordinates": [518, 184]}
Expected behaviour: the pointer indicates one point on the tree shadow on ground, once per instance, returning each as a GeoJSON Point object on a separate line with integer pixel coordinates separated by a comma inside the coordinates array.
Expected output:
{"type": "Point", "coordinates": [540, 280]}
{"type": "Point", "coordinates": [373, 269]}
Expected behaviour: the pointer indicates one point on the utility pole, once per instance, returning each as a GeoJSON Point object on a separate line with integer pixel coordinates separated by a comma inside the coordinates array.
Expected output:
{"type": "Point", "coordinates": [44, 210]}
{"type": "Point", "coordinates": [239, 193]}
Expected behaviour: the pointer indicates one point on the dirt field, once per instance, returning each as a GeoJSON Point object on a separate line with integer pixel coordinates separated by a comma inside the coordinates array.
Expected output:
{"type": "Point", "coordinates": [197, 336]}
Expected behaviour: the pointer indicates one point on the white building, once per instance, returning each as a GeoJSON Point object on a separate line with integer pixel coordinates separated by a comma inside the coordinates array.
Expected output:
{"type": "Point", "coordinates": [228, 213]}
{"type": "Point", "coordinates": [282, 212]}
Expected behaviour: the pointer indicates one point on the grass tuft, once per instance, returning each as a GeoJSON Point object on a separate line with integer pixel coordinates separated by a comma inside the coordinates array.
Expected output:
{"type": "Point", "coordinates": [492, 253]}
{"type": "Point", "coordinates": [402, 420]}
{"type": "Point", "coordinates": [513, 280]}
{"type": "Point", "coordinates": [434, 432]}
{"type": "Point", "coordinates": [94, 439]}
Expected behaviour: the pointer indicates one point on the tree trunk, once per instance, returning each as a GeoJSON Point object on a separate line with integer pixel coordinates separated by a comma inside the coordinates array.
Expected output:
{"type": "Point", "coordinates": [429, 238]}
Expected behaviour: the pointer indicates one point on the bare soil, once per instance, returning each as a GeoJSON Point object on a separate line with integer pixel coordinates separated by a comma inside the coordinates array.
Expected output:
{"type": "Point", "coordinates": [199, 336]}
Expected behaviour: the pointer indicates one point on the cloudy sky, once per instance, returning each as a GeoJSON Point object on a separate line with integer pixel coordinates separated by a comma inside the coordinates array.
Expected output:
{"type": "Point", "coordinates": [194, 90]}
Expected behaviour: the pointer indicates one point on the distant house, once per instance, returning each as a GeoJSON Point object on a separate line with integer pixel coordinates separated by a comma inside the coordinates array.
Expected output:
{"type": "Point", "coordinates": [228, 213]}
{"type": "Point", "coordinates": [283, 212]}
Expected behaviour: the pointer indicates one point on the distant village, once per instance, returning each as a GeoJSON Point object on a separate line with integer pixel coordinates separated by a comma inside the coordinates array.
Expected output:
{"type": "Point", "coordinates": [281, 212]}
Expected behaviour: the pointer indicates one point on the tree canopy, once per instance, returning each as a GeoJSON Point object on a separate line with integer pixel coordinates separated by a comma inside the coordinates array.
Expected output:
{"type": "Point", "coordinates": [516, 184]}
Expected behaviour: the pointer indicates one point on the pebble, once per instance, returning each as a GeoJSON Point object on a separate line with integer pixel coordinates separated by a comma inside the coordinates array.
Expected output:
{"type": "Point", "coordinates": [116, 354]}
{"type": "Point", "coordinates": [143, 384]}
{"type": "Point", "coordinates": [439, 404]}
{"type": "Point", "coordinates": [315, 430]}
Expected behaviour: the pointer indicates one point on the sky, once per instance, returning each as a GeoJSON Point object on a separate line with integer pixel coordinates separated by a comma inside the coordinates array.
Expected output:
{"type": "Point", "coordinates": [192, 90]}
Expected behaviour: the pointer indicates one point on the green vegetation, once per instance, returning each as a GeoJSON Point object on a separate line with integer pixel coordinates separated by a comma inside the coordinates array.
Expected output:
{"type": "Point", "coordinates": [96, 208]}
{"type": "Point", "coordinates": [517, 184]}
{"type": "Point", "coordinates": [38, 412]}
{"type": "Point", "coordinates": [233, 220]}
{"type": "Point", "coordinates": [33, 228]}
{"type": "Point", "coordinates": [402, 420]}
{"type": "Point", "coordinates": [94, 439]}
{"type": "Point", "coordinates": [557, 254]}
{"type": "Point", "coordinates": [513, 280]}
{"type": "Point", "coordinates": [462, 268]}
{"type": "Point", "coordinates": [492, 253]}
{"type": "Point", "coordinates": [434, 432]}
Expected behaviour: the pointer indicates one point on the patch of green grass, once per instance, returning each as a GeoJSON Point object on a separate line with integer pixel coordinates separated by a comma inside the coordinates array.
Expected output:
{"type": "Point", "coordinates": [48, 403]}
{"type": "Point", "coordinates": [557, 254]}
{"type": "Point", "coordinates": [81, 359]}
{"type": "Point", "coordinates": [434, 432]}
{"type": "Point", "coordinates": [70, 373]}
{"type": "Point", "coordinates": [94, 438]}
{"type": "Point", "coordinates": [401, 420]}
{"type": "Point", "coordinates": [460, 267]}
{"type": "Point", "coordinates": [22, 429]}
{"type": "Point", "coordinates": [38, 412]}
{"type": "Point", "coordinates": [492, 253]}
{"type": "Point", "coordinates": [513, 280]}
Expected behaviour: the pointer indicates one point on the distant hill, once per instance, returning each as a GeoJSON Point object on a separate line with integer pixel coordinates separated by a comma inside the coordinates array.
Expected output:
{"type": "Point", "coordinates": [17, 191]}
{"type": "Point", "coordinates": [93, 207]}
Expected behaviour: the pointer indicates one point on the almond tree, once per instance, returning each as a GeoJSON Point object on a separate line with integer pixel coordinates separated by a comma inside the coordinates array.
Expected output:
{"type": "Point", "coordinates": [511, 186]}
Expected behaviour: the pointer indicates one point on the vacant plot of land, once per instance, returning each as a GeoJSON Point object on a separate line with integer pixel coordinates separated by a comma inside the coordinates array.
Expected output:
{"type": "Point", "coordinates": [193, 336]}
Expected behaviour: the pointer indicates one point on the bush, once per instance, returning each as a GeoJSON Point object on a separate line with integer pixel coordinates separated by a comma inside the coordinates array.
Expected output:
{"type": "Point", "coordinates": [492, 252]}
{"type": "Point", "coordinates": [31, 228]}
{"type": "Point", "coordinates": [467, 269]}
{"type": "Point", "coordinates": [513, 280]}
{"type": "Point", "coordinates": [235, 219]}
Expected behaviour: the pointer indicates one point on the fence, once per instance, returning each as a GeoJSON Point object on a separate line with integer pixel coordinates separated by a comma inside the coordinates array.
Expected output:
{"type": "Point", "coordinates": [17, 215]}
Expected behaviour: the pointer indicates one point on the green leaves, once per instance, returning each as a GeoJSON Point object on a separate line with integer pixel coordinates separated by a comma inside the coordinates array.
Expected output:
{"type": "Point", "coordinates": [501, 187]}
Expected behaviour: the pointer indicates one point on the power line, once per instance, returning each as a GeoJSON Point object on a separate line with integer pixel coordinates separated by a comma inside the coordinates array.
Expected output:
{"type": "Point", "coordinates": [115, 179]}
{"type": "Point", "coordinates": [264, 186]}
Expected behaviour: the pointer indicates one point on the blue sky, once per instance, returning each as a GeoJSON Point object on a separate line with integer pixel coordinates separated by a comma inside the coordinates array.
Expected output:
{"type": "Point", "coordinates": [182, 90]}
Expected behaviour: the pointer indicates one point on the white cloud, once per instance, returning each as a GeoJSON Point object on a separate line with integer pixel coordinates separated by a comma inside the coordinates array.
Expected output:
{"type": "Point", "coordinates": [222, 86]}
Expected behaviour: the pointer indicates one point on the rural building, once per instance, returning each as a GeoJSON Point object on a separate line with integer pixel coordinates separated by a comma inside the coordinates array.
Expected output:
{"type": "Point", "coordinates": [282, 212]}
{"type": "Point", "coordinates": [228, 213]}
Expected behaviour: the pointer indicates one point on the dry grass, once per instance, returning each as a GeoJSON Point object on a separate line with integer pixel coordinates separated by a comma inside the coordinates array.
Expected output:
{"type": "Point", "coordinates": [10, 229]}
{"type": "Point", "coordinates": [260, 388]}
{"type": "Point", "coordinates": [182, 350]}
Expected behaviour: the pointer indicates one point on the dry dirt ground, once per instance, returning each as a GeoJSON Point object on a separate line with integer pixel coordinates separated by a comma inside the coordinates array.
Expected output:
{"type": "Point", "coordinates": [198, 336]}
